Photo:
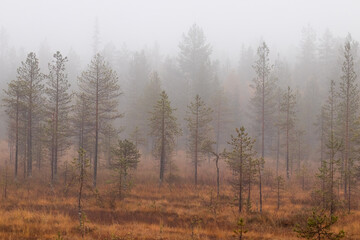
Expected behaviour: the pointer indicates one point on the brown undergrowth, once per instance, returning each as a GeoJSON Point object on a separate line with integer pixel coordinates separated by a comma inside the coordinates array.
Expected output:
{"type": "Point", "coordinates": [34, 209]}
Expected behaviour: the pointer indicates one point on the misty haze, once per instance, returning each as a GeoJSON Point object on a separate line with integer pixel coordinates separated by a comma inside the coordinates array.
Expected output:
{"type": "Point", "coordinates": [179, 119]}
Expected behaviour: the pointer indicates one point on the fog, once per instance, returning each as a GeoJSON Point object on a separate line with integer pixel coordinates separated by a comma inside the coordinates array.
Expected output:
{"type": "Point", "coordinates": [194, 111]}
{"type": "Point", "coordinates": [147, 44]}
{"type": "Point", "coordinates": [227, 24]}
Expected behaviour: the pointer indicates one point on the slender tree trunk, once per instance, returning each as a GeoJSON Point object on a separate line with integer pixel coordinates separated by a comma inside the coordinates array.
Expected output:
{"type": "Point", "coordinates": [53, 150]}
{"type": "Point", "coordinates": [249, 191]}
{"type": "Point", "coordinates": [349, 195]}
{"type": "Point", "coordinates": [56, 125]}
{"type": "Point", "coordinates": [278, 151]}
{"type": "Point", "coordinates": [278, 194]}
{"type": "Point", "coordinates": [25, 152]}
{"type": "Point", "coordinates": [287, 137]}
{"type": "Point", "coordinates": [96, 127]}
{"type": "Point", "coordinates": [260, 192]}
{"type": "Point", "coordinates": [332, 156]}
{"type": "Point", "coordinates": [346, 139]}
{"type": "Point", "coordinates": [322, 160]}
{"type": "Point", "coordinates": [17, 136]}
{"type": "Point", "coordinates": [162, 156]}
{"type": "Point", "coordinates": [109, 149]}
{"type": "Point", "coordinates": [82, 166]}
{"type": "Point", "coordinates": [299, 153]}
{"type": "Point", "coordinates": [5, 180]}
{"type": "Point", "coordinates": [29, 140]}
{"type": "Point", "coordinates": [196, 141]}
{"type": "Point", "coordinates": [241, 176]}
{"type": "Point", "coordinates": [262, 136]}
{"type": "Point", "coordinates": [217, 175]}
{"type": "Point", "coordinates": [218, 130]}
{"type": "Point", "coordinates": [120, 184]}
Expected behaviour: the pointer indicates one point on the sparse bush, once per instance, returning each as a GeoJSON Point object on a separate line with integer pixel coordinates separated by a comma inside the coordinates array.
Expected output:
{"type": "Point", "coordinates": [240, 230]}
{"type": "Point", "coordinates": [318, 227]}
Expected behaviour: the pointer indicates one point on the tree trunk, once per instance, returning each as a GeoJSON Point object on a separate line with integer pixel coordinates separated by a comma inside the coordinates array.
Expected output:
{"type": "Point", "coordinates": [240, 176]}
{"type": "Point", "coordinates": [56, 118]}
{"type": "Point", "coordinates": [278, 194]}
{"type": "Point", "coordinates": [196, 141]}
{"type": "Point", "coordinates": [82, 165]}
{"type": "Point", "coordinates": [249, 191]}
{"type": "Point", "coordinates": [287, 137]}
{"type": "Point", "coordinates": [29, 140]}
{"type": "Point", "coordinates": [17, 136]}
{"type": "Point", "coordinates": [278, 152]}
{"type": "Point", "coordinates": [162, 156]}
{"type": "Point", "coordinates": [346, 139]}
{"type": "Point", "coordinates": [260, 192]}
{"type": "Point", "coordinates": [217, 175]}
{"type": "Point", "coordinates": [96, 127]}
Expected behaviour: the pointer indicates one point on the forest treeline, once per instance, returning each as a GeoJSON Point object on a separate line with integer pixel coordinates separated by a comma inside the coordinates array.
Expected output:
{"type": "Point", "coordinates": [264, 116]}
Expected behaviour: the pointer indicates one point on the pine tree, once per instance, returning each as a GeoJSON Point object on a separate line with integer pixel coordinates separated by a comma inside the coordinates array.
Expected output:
{"type": "Point", "coordinates": [279, 186]}
{"type": "Point", "coordinates": [263, 100]}
{"type": "Point", "coordinates": [221, 116]}
{"type": "Point", "coordinates": [198, 121]}
{"type": "Point", "coordinates": [206, 147]}
{"type": "Point", "coordinates": [194, 61]}
{"type": "Point", "coordinates": [30, 74]}
{"type": "Point", "coordinates": [164, 129]}
{"type": "Point", "coordinates": [138, 79]}
{"type": "Point", "coordinates": [137, 137]}
{"type": "Point", "coordinates": [109, 133]}
{"type": "Point", "coordinates": [333, 145]}
{"type": "Point", "coordinates": [81, 166]}
{"type": "Point", "coordinates": [279, 95]}
{"type": "Point", "coordinates": [14, 103]}
{"type": "Point", "coordinates": [146, 101]}
{"type": "Point", "coordinates": [264, 87]}
{"type": "Point", "coordinates": [288, 122]}
{"type": "Point", "coordinates": [99, 83]}
{"type": "Point", "coordinates": [82, 124]}
{"type": "Point", "coordinates": [242, 152]}
{"type": "Point", "coordinates": [58, 106]}
{"type": "Point", "coordinates": [126, 158]}
{"type": "Point", "coordinates": [318, 226]}
{"type": "Point", "coordinates": [349, 104]}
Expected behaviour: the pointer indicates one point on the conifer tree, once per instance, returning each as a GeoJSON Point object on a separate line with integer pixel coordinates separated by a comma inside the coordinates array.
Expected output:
{"type": "Point", "coordinates": [58, 106]}
{"type": "Point", "coordinates": [242, 152]}
{"type": "Point", "coordinates": [318, 226]}
{"type": "Point", "coordinates": [207, 148]}
{"type": "Point", "coordinates": [348, 105]}
{"type": "Point", "coordinates": [126, 158]}
{"type": "Point", "coordinates": [279, 186]}
{"type": "Point", "coordinates": [263, 100]}
{"type": "Point", "coordinates": [81, 175]}
{"type": "Point", "coordinates": [164, 129]}
{"type": "Point", "coordinates": [99, 83]}
{"type": "Point", "coordinates": [198, 121]}
{"type": "Point", "coordinates": [14, 103]}
{"type": "Point", "coordinates": [29, 73]}
{"type": "Point", "coordinates": [81, 123]}
{"type": "Point", "coordinates": [264, 87]}
{"type": "Point", "coordinates": [137, 137]}
{"type": "Point", "coordinates": [109, 133]}
{"type": "Point", "coordinates": [288, 122]}
{"type": "Point", "coordinates": [221, 116]}
{"type": "Point", "coordinates": [145, 102]}
{"type": "Point", "coordinates": [194, 61]}
{"type": "Point", "coordinates": [333, 145]}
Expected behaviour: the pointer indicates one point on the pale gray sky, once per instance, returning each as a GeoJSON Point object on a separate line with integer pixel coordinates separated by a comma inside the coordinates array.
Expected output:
{"type": "Point", "coordinates": [227, 24]}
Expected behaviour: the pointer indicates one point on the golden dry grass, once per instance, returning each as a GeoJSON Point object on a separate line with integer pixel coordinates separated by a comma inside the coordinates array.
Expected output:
{"type": "Point", "coordinates": [35, 210]}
